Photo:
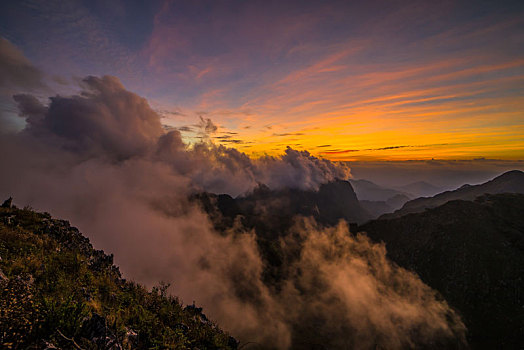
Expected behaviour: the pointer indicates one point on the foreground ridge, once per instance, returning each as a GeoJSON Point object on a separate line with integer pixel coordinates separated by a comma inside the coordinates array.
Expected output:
{"type": "Point", "coordinates": [59, 292]}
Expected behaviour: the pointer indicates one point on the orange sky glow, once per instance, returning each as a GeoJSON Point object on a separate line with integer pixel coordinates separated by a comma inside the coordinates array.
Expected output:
{"type": "Point", "coordinates": [356, 81]}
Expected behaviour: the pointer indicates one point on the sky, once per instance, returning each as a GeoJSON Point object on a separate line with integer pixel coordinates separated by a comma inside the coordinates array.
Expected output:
{"type": "Point", "coordinates": [362, 81]}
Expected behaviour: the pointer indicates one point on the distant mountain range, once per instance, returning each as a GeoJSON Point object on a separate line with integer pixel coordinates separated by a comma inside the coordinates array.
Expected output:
{"type": "Point", "coordinates": [420, 189]}
{"type": "Point", "coordinates": [377, 208]}
{"type": "Point", "coordinates": [370, 191]}
{"type": "Point", "coordinates": [378, 200]}
{"type": "Point", "coordinates": [509, 182]}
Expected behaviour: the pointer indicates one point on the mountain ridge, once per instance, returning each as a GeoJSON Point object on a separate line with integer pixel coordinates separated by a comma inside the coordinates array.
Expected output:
{"type": "Point", "coordinates": [508, 182]}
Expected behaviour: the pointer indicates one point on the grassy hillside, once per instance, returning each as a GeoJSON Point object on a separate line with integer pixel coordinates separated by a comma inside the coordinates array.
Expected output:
{"type": "Point", "coordinates": [56, 290]}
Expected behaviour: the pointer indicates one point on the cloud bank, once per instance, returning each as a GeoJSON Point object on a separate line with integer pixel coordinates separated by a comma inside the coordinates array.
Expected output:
{"type": "Point", "coordinates": [102, 160]}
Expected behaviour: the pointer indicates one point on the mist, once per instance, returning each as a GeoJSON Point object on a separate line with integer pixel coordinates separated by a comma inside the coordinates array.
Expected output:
{"type": "Point", "coordinates": [102, 160]}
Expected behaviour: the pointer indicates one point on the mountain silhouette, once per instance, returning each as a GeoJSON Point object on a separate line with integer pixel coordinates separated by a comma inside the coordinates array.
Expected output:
{"type": "Point", "coordinates": [272, 211]}
{"type": "Point", "coordinates": [370, 191]}
{"type": "Point", "coordinates": [378, 208]}
{"type": "Point", "coordinates": [420, 189]}
{"type": "Point", "coordinates": [472, 252]}
{"type": "Point", "coordinates": [509, 182]}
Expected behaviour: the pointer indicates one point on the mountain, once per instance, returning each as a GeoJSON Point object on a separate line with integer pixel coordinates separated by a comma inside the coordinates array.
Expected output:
{"type": "Point", "coordinates": [271, 212]}
{"type": "Point", "coordinates": [509, 182]}
{"type": "Point", "coordinates": [472, 252]}
{"type": "Point", "coordinates": [293, 253]}
{"type": "Point", "coordinates": [397, 201]}
{"type": "Point", "coordinates": [420, 189]}
{"type": "Point", "coordinates": [378, 208]}
{"type": "Point", "coordinates": [369, 191]}
{"type": "Point", "coordinates": [56, 291]}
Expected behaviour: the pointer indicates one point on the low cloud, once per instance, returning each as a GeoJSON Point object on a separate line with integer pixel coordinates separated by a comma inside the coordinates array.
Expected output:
{"type": "Point", "coordinates": [102, 160]}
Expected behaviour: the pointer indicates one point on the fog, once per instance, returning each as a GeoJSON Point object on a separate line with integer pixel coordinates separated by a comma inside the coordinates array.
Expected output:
{"type": "Point", "coordinates": [102, 160]}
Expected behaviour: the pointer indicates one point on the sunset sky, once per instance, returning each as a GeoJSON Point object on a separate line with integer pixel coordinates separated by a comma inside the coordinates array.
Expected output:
{"type": "Point", "coordinates": [348, 80]}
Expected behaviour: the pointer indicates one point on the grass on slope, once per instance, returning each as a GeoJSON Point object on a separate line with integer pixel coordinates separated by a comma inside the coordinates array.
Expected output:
{"type": "Point", "coordinates": [56, 289]}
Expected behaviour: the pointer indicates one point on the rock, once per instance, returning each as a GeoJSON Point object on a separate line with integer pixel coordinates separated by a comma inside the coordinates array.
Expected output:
{"type": "Point", "coordinates": [8, 203]}
{"type": "Point", "coordinates": [95, 330]}
{"type": "Point", "coordinates": [131, 339]}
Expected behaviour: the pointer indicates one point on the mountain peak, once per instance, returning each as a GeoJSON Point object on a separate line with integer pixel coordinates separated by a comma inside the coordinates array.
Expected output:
{"type": "Point", "coordinates": [512, 174]}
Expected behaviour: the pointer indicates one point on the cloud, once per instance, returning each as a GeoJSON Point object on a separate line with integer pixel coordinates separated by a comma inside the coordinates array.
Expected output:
{"type": "Point", "coordinates": [343, 284]}
{"type": "Point", "coordinates": [16, 71]}
{"type": "Point", "coordinates": [406, 146]}
{"type": "Point", "coordinates": [30, 108]}
{"type": "Point", "coordinates": [386, 148]}
{"type": "Point", "coordinates": [232, 141]}
{"type": "Point", "coordinates": [164, 112]}
{"type": "Point", "coordinates": [207, 126]}
{"type": "Point", "coordinates": [289, 134]}
{"type": "Point", "coordinates": [185, 128]}
{"type": "Point", "coordinates": [105, 120]}
{"type": "Point", "coordinates": [339, 151]}
{"type": "Point", "coordinates": [102, 160]}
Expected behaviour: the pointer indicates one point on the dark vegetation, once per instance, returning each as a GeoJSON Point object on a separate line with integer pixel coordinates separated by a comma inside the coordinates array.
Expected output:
{"type": "Point", "coordinates": [57, 291]}
{"type": "Point", "coordinates": [472, 252]}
